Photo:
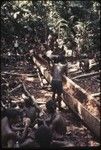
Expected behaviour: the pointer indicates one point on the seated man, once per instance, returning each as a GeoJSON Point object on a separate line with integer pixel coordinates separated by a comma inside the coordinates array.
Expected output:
{"type": "Point", "coordinates": [53, 127]}
{"type": "Point", "coordinates": [29, 110]}
{"type": "Point", "coordinates": [7, 133]}
{"type": "Point", "coordinates": [56, 120]}
{"type": "Point", "coordinates": [84, 65]}
{"type": "Point", "coordinates": [43, 136]}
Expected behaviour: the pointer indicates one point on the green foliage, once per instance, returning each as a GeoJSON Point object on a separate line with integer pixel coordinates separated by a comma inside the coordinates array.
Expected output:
{"type": "Point", "coordinates": [76, 22]}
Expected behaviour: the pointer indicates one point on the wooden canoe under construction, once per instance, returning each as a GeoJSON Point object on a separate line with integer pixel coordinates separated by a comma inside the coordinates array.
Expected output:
{"type": "Point", "coordinates": [74, 97]}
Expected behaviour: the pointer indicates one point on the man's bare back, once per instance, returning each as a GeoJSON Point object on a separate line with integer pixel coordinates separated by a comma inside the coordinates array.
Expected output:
{"type": "Point", "coordinates": [58, 70]}
{"type": "Point", "coordinates": [57, 87]}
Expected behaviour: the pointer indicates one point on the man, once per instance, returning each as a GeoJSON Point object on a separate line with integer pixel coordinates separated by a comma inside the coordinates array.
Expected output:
{"type": "Point", "coordinates": [29, 110]}
{"type": "Point", "coordinates": [16, 45]}
{"type": "Point", "coordinates": [43, 136]}
{"type": "Point", "coordinates": [84, 65]}
{"type": "Point", "coordinates": [57, 87]}
{"type": "Point", "coordinates": [10, 116]}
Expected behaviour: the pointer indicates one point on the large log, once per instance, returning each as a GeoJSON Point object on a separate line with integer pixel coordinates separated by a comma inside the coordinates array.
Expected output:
{"type": "Point", "coordinates": [93, 123]}
{"type": "Point", "coordinates": [74, 96]}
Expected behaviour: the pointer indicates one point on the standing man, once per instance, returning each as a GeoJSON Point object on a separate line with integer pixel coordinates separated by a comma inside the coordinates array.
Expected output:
{"type": "Point", "coordinates": [16, 48]}
{"type": "Point", "coordinates": [16, 45]}
{"type": "Point", "coordinates": [57, 87]}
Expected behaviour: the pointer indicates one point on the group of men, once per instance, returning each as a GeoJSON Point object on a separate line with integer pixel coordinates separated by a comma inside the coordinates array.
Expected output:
{"type": "Point", "coordinates": [27, 127]}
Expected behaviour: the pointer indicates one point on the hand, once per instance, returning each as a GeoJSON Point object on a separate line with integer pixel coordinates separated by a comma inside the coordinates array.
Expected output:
{"type": "Point", "coordinates": [26, 121]}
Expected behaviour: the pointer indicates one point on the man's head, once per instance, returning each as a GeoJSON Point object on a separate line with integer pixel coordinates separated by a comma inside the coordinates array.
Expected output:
{"type": "Point", "coordinates": [28, 102]}
{"type": "Point", "coordinates": [43, 136]}
{"type": "Point", "coordinates": [51, 106]}
{"type": "Point", "coordinates": [13, 115]}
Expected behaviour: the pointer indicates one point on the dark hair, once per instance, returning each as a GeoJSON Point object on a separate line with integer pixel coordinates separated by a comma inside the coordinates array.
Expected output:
{"type": "Point", "coordinates": [56, 60]}
{"type": "Point", "coordinates": [12, 113]}
{"type": "Point", "coordinates": [28, 102]}
{"type": "Point", "coordinates": [61, 58]}
{"type": "Point", "coordinates": [43, 136]}
{"type": "Point", "coordinates": [51, 106]}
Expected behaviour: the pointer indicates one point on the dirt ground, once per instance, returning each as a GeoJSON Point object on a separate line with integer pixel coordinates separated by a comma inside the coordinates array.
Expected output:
{"type": "Point", "coordinates": [77, 134]}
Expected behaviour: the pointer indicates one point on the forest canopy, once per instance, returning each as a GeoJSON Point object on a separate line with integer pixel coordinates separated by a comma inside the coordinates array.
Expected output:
{"type": "Point", "coordinates": [76, 22]}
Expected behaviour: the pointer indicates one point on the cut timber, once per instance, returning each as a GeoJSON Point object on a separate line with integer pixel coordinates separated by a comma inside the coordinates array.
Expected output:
{"type": "Point", "coordinates": [73, 96]}
{"type": "Point", "coordinates": [86, 75]}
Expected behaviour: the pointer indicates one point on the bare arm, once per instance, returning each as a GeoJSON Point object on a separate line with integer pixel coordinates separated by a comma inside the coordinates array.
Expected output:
{"type": "Point", "coordinates": [66, 69]}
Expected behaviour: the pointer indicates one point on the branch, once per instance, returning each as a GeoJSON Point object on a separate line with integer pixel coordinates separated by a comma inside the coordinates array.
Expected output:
{"type": "Point", "coordinates": [86, 75]}
{"type": "Point", "coordinates": [96, 94]}
{"type": "Point", "coordinates": [16, 74]}
{"type": "Point", "coordinates": [14, 89]}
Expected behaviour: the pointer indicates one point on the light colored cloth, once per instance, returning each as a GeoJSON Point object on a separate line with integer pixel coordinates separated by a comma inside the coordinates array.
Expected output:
{"type": "Point", "coordinates": [49, 53]}
{"type": "Point", "coordinates": [16, 44]}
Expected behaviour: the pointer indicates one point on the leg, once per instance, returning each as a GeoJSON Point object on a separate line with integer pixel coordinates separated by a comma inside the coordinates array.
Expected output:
{"type": "Point", "coordinates": [11, 143]}
{"type": "Point", "coordinates": [53, 85]}
{"type": "Point", "coordinates": [53, 96]}
{"type": "Point", "coordinates": [59, 101]}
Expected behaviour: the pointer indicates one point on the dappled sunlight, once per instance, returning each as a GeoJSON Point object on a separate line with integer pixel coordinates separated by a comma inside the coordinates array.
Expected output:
{"type": "Point", "coordinates": [36, 36]}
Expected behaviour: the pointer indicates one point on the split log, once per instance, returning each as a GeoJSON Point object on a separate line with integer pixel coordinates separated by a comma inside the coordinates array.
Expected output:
{"type": "Point", "coordinates": [86, 75]}
{"type": "Point", "coordinates": [93, 123]}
